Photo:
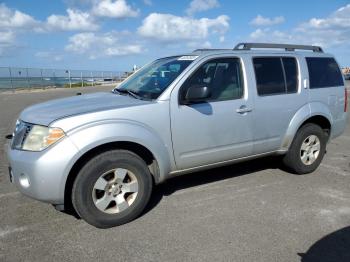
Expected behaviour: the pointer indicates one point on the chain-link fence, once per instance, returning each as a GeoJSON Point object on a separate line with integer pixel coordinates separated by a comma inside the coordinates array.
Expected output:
{"type": "Point", "coordinates": [15, 77]}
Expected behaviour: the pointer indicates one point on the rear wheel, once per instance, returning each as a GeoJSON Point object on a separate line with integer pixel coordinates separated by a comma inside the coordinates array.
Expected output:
{"type": "Point", "coordinates": [307, 150]}
{"type": "Point", "coordinates": [113, 188]}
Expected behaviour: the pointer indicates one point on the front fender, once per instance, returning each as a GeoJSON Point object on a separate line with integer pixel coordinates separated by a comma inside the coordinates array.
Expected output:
{"type": "Point", "coordinates": [303, 114]}
{"type": "Point", "coordinates": [98, 133]}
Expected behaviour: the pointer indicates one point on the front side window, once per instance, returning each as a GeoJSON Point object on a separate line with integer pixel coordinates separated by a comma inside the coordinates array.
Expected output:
{"type": "Point", "coordinates": [324, 72]}
{"type": "Point", "coordinates": [151, 80]}
{"type": "Point", "coordinates": [276, 75]}
{"type": "Point", "coordinates": [222, 76]}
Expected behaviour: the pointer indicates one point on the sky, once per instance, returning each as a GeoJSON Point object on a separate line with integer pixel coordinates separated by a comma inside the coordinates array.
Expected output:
{"type": "Point", "coordinates": [117, 34]}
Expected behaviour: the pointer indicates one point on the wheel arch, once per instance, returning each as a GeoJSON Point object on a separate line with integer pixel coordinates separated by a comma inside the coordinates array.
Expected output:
{"type": "Point", "coordinates": [134, 147]}
{"type": "Point", "coordinates": [317, 113]}
{"type": "Point", "coordinates": [319, 120]}
{"type": "Point", "coordinates": [118, 134]}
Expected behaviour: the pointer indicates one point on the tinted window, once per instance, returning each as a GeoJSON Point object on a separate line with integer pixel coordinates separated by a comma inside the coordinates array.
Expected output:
{"type": "Point", "coordinates": [291, 70]}
{"type": "Point", "coordinates": [222, 76]}
{"type": "Point", "coordinates": [276, 75]}
{"type": "Point", "coordinates": [269, 75]}
{"type": "Point", "coordinates": [324, 72]}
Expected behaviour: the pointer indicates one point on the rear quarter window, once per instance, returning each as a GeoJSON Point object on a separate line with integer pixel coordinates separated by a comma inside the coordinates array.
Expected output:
{"type": "Point", "coordinates": [324, 72]}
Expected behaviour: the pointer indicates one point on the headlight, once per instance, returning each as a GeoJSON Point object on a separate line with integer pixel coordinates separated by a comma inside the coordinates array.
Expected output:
{"type": "Point", "coordinates": [40, 137]}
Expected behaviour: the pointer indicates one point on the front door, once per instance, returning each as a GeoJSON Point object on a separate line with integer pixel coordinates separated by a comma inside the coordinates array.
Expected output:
{"type": "Point", "coordinates": [218, 129]}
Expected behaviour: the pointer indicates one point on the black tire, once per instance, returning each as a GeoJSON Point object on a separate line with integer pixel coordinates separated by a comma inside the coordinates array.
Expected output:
{"type": "Point", "coordinates": [292, 160]}
{"type": "Point", "coordinates": [82, 198]}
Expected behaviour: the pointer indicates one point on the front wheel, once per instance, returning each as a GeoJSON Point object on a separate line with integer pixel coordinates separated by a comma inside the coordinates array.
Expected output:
{"type": "Point", "coordinates": [307, 150]}
{"type": "Point", "coordinates": [112, 188]}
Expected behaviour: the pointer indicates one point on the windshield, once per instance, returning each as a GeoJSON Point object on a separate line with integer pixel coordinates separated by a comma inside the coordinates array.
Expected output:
{"type": "Point", "coordinates": [151, 80]}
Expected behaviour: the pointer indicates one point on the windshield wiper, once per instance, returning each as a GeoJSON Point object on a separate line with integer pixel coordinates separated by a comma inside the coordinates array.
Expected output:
{"type": "Point", "coordinates": [116, 91]}
{"type": "Point", "coordinates": [129, 92]}
{"type": "Point", "coordinates": [134, 94]}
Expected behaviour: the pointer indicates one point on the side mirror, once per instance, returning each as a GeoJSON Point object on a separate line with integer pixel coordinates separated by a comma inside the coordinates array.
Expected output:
{"type": "Point", "coordinates": [196, 94]}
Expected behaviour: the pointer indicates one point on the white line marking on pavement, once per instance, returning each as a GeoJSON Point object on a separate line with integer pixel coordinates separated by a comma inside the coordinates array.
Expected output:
{"type": "Point", "coordinates": [9, 194]}
{"type": "Point", "coordinates": [345, 137]}
{"type": "Point", "coordinates": [10, 230]}
{"type": "Point", "coordinates": [336, 170]}
{"type": "Point", "coordinates": [333, 193]}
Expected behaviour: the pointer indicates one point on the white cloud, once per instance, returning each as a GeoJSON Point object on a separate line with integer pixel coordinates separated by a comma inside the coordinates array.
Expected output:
{"type": "Point", "coordinates": [266, 21]}
{"type": "Point", "coordinates": [82, 42]}
{"type": "Point", "coordinates": [7, 41]}
{"type": "Point", "coordinates": [331, 31]}
{"type": "Point", "coordinates": [13, 22]}
{"type": "Point", "coordinates": [10, 18]}
{"type": "Point", "coordinates": [340, 19]}
{"type": "Point", "coordinates": [7, 37]}
{"type": "Point", "coordinates": [77, 3]}
{"type": "Point", "coordinates": [123, 50]}
{"type": "Point", "coordinates": [148, 2]}
{"type": "Point", "coordinates": [114, 9]}
{"type": "Point", "coordinates": [49, 55]}
{"type": "Point", "coordinates": [201, 5]}
{"type": "Point", "coordinates": [18, 21]}
{"type": "Point", "coordinates": [268, 35]}
{"type": "Point", "coordinates": [167, 27]}
{"type": "Point", "coordinates": [74, 21]}
{"type": "Point", "coordinates": [99, 45]}
{"type": "Point", "coordinates": [199, 44]}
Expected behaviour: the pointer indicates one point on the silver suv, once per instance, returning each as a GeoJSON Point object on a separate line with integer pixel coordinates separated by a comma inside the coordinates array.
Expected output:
{"type": "Point", "coordinates": [102, 153]}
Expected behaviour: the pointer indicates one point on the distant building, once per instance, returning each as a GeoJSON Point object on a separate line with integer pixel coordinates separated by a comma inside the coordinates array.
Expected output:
{"type": "Point", "coordinates": [346, 70]}
{"type": "Point", "coordinates": [346, 73]}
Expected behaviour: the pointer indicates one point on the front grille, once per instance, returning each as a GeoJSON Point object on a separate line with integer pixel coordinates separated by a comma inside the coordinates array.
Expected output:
{"type": "Point", "coordinates": [21, 131]}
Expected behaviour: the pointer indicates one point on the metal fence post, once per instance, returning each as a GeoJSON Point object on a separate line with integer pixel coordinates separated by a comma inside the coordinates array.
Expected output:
{"type": "Point", "coordinates": [16, 78]}
{"type": "Point", "coordinates": [11, 77]}
{"type": "Point", "coordinates": [27, 75]}
{"type": "Point", "coordinates": [42, 79]}
{"type": "Point", "coordinates": [70, 81]}
{"type": "Point", "coordinates": [54, 77]}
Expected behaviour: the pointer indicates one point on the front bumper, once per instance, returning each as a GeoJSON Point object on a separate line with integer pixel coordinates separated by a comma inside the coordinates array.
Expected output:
{"type": "Point", "coordinates": [42, 175]}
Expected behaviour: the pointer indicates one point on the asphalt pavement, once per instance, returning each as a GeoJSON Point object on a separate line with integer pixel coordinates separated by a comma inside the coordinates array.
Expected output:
{"type": "Point", "coordinates": [253, 211]}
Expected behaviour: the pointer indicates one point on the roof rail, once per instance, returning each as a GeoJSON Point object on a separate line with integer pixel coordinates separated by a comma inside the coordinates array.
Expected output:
{"type": "Point", "coordinates": [287, 47]}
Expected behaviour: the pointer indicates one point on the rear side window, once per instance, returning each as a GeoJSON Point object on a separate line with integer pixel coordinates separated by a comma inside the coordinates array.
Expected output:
{"type": "Point", "coordinates": [291, 70]}
{"type": "Point", "coordinates": [276, 75]}
{"type": "Point", "coordinates": [324, 72]}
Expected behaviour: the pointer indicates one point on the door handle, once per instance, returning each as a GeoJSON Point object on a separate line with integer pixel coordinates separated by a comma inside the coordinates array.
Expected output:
{"type": "Point", "coordinates": [243, 109]}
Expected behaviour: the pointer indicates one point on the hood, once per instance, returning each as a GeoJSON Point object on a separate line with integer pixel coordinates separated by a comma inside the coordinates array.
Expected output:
{"type": "Point", "coordinates": [45, 113]}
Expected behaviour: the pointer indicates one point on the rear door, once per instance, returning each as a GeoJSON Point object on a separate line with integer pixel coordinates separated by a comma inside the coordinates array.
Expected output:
{"type": "Point", "coordinates": [278, 95]}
